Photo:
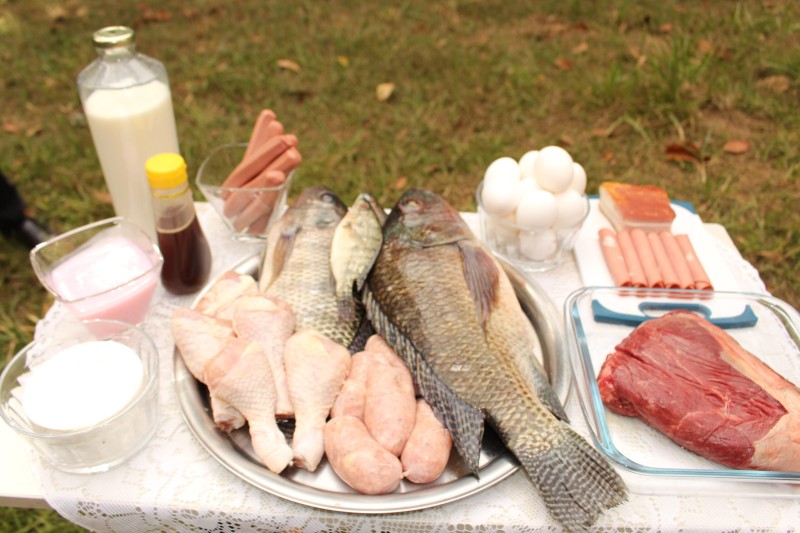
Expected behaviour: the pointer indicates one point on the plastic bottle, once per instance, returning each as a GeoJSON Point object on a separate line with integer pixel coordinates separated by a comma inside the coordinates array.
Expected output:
{"type": "Point", "coordinates": [128, 107]}
{"type": "Point", "coordinates": [187, 256]}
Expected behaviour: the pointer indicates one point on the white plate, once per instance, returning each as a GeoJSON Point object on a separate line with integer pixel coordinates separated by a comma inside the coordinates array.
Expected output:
{"type": "Point", "coordinates": [595, 273]}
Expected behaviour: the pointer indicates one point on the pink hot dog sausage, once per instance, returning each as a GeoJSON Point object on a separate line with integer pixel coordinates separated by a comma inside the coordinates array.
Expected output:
{"type": "Point", "coordinates": [677, 259]}
{"type": "Point", "coordinates": [358, 459]}
{"type": "Point", "coordinates": [262, 202]}
{"type": "Point", "coordinates": [390, 407]}
{"type": "Point", "coordinates": [266, 154]}
{"type": "Point", "coordinates": [239, 199]}
{"type": "Point", "coordinates": [699, 276]}
{"type": "Point", "coordinates": [288, 160]}
{"type": "Point", "coordinates": [635, 272]}
{"type": "Point", "coordinates": [664, 265]}
{"type": "Point", "coordinates": [259, 134]}
{"type": "Point", "coordinates": [614, 259]}
{"type": "Point", "coordinates": [427, 451]}
{"type": "Point", "coordinates": [647, 259]}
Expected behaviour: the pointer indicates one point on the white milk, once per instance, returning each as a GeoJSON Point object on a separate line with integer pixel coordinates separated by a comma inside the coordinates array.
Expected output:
{"type": "Point", "coordinates": [128, 126]}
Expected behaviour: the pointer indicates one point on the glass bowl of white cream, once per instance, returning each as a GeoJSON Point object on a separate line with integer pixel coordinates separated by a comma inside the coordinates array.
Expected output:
{"type": "Point", "coordinates": [85, 398]}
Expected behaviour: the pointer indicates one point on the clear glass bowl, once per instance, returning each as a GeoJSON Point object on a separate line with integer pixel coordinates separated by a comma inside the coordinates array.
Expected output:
{"type": "Point", "coordinates": [105, 270]}
{"type": "Point", "coordinates": [248, 212]}
{"type": "Point", "coordinates": [528, 250]}
{"type": "Point", "coordinates": [107, 443]}
{"type": "Point", "coordinates": [598, 318]}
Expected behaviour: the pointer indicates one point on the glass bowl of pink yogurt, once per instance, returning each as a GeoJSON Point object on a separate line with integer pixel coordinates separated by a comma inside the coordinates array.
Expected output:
{"type": "Point", "coordinates": [104, 270]}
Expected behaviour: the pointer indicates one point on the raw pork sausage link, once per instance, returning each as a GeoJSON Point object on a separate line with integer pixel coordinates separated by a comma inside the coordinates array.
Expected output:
{"type": "Point", "coordinates": [428, 448]}
{"type": "Point", "coordinates": [358, 459]}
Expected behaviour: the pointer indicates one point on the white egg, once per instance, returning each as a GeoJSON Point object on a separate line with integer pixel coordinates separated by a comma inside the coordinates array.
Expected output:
{"type": "Point", "coordinates": [538, 246]}
{"type": "Point", "coordinates": [504, 168]}
{"type": "Point", "coordinates": [526, 185]}
{"type": "Point", "coordinates": [526, 164]}
{"type": "Point", "coordinates": [537, 209]}
{"type": "Point", "coordinates": [501, 186]}
{"type": "Point", "coordinates": [553, 169]}
{"type": "Point", "coordinates": [571, 208]}
{"type": "Point", "coordinates": [578, 178]}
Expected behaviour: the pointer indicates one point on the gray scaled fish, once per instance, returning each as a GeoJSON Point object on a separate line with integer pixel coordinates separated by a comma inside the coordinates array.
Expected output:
{"type": "Point", "coordinates": [356, 243]}
{"type": "Point", "coordinates": [446, 306]}
{"type": "Point", "coordinates": [296, 267]}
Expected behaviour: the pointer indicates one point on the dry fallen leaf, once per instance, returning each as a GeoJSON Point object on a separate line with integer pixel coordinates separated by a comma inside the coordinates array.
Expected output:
{"type": "Point", "coordinates": [580, 48]}
{"type": "Point", "coordinates": [343, 61]}
{"type": "Point", "coordinates": [778, 83]}
{"type": "Point", "coordinates": [33, 131]}
{"type": "Point", "coordinates": [705, 47]}
{"type": "Point", "coordinates": [384, 91]}
{"type": "Point", "coordinates": [56, 13]}
{"type": "Point", "coordinates": [665, 28]}
{"type": "Point", "coordinates": [607, 156]}
{"type": "Point", "coordinates": [687, 151]}
{"type": "Point", "coordinates": [9, 126]}
{"type": "Point", "coordinates": [563, 63]}
{"type": "Point", "coordinates": [566, 140]}
{"type": "Point", "coordinates": [400, 183]}
{"type": "Point", "coordinates": [288, 64]}
{"type": "Point", "coordinates": [736, 146]}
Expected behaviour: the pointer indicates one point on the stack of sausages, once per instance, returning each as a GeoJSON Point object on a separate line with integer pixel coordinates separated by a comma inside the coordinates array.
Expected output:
{"type": "Point", "coordinates": [653, 259]}
{"type": "Point", "coordinates": [378, 432]}
{"type": "Point", "coordinates": [270, 157]}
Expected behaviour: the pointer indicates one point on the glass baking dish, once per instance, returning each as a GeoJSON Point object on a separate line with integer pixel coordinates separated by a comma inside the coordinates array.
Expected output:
{"type": "Point", "coordinates": [598, 318]}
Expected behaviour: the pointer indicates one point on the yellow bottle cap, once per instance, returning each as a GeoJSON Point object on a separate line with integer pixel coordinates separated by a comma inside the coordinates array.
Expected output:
{"type": "Point", "coordinates": [166, 171]}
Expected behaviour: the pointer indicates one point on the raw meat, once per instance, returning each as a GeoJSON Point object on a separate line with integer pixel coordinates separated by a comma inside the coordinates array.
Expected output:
{"type": "Point", "coordinates": [269, 322]}
{"type": "Point", "coordinates": [241, 376]}
{"type": "Point", "coordinates": [316, 368]}
{"type": "Point", "coordinates": [693, 382]}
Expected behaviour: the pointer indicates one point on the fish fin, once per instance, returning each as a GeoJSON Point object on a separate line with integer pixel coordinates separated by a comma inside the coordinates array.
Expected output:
{"type": "Point", "coordinates": [544, 389]}
{"type": "Point", "coordinates": [282, 251]}
{"type": "Point", "coordinates": [545, 393]}
{"type": "Point", "coordinates": [464, 421]}
{"type": "Point", "coordinates": [575, 481]}
{"type": "Point", "coordinates": [482, 275]}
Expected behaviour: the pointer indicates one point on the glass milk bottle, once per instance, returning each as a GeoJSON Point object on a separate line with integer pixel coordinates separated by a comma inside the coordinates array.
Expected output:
{"type": "Point", "coordinates": [128, 106]}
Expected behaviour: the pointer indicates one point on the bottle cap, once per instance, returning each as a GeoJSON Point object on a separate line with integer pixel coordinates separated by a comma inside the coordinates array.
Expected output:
{"type": "Point", "coordinates": [166, 171]}
{"type": "Point", "coordinates": [113, 36]}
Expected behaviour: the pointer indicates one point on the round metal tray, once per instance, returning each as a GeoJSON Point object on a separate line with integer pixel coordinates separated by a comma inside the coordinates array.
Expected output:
{"type": "Point", "coordinates": [322, 488]}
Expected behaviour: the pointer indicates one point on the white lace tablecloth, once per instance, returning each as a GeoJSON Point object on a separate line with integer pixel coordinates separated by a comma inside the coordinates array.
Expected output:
{"type": "Point", "coordinates": [174, 485]}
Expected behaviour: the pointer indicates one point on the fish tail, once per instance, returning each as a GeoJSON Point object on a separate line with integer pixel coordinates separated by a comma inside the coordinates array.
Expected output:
{"type": "Point", "coordinates": [575, 481]}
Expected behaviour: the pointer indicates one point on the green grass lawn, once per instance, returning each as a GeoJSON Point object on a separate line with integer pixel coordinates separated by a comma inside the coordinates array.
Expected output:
{"type": "Point", "coordinates": [637, 91]}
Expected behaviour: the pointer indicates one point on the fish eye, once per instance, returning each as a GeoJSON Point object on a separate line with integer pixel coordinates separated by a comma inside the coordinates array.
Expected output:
{"type": "Point", "coordinates": [412, 205]}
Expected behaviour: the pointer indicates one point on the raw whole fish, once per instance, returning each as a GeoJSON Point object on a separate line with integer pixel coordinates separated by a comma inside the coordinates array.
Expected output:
{"type": "Point", "coordinates": [355, 246]}
{"type": "Point", "coordinates": [433, 294]}
{"type": "Point", "coordinates": [296, 264]}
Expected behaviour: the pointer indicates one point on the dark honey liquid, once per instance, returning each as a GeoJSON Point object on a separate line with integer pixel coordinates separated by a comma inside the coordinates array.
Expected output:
{"type": "Point", "coordinates": [187, 258]}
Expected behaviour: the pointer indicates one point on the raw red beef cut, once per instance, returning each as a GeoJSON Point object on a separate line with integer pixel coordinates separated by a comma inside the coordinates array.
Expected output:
{"type": "Point", "coordinates": [693, 382]}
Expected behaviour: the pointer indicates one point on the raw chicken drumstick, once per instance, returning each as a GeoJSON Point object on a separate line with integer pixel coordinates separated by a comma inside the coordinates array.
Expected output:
{"type": "Point", "coordinates": [312, 358]}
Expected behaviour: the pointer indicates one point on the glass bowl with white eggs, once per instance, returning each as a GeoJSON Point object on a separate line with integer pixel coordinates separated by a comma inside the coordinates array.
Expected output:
{"type": "Point", "coordinates": [531, 210]}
